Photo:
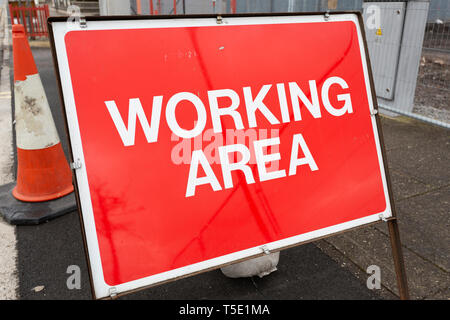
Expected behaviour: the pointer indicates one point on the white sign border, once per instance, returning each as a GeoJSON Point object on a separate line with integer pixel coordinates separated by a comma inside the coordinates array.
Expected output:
{"type": "Point", "coordinates": [100, 287]}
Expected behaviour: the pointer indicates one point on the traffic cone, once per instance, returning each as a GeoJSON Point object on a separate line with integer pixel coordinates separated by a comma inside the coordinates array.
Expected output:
{"type": "Point", "coordinates": [42, 170]}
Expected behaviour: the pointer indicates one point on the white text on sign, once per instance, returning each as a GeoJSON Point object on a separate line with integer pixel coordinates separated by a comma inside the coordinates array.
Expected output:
{"type": "Point", "coordinates": [253, 102]}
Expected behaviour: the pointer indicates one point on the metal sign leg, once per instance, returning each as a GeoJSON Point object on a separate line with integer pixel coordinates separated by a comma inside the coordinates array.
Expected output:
{"type": "Point", "coordinates": [399, 264]}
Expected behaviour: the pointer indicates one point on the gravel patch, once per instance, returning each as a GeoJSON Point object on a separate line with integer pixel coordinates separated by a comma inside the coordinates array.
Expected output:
{"type": "Point", "coordinates": [433, 86]}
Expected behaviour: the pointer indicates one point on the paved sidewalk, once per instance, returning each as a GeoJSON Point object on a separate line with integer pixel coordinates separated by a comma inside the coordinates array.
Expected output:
{"type": "Point", "coordinates": [8, 253]}
{"type": "Point", "coordinates": [419, 162]}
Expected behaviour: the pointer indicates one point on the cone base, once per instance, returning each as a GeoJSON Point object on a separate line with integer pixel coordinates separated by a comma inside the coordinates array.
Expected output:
{"type": "Point", "coordinates": [41, 198]}
{"type": "Point", "coordinates": [17, 212]}
{"type": "Point", "coordinates": [42, 174]}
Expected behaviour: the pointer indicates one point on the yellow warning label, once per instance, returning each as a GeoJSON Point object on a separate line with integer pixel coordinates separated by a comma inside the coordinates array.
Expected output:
{"type": "Point", "coordinates": [379, 33]}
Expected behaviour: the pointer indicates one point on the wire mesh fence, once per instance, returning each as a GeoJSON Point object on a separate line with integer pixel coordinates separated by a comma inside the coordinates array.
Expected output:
{"type": "Point", "coordinates": [433, 81]}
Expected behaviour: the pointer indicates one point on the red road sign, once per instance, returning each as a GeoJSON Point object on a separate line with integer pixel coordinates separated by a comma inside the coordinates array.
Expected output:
{"type": "Point", "coordinates": [201, 143]}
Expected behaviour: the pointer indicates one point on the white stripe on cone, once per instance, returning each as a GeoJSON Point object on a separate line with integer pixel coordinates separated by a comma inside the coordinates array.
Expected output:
{"type": "Point", "coordinates": [35, 128]}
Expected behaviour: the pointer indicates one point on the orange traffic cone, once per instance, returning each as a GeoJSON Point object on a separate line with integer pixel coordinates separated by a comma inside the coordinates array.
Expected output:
{"type": "Point", "coordinates": [42, 169]}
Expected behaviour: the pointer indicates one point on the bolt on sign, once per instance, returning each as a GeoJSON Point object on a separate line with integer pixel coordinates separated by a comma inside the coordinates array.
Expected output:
{"type": "Point", "coordinates": [201, 141]}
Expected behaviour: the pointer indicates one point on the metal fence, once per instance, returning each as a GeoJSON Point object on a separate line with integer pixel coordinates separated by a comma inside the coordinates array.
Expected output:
{"type": "Point", "coordinates": [433, 82]}
{"type": "Point", "coordinates": [239, 6]}
{"type": "Point", "coordinates": [33, 18]}
{"type": "Point", "coordinates": [409, 50]}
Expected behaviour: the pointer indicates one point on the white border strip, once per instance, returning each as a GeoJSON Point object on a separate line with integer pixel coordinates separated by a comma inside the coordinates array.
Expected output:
{"type": "Point", "coordinates": [9, 281]}
{"type": "Point", "coordinates": [102, 289]}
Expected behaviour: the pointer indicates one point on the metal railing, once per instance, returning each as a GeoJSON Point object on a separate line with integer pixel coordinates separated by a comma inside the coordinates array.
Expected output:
{"type": "Point", "coordinates": [34, 19]}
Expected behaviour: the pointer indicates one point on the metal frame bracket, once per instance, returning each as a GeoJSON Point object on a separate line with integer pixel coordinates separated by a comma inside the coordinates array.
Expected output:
{"type": "Point", "coordinates": [83, 24]}
{"type": "Point", "coordinates": [113, 293]}
{"type": "Point", "coordinates": [76, 165]}
{"type": "Point", "coordinates": [265, 249]}
{"type": "Point", "coordinates": [219, 20]}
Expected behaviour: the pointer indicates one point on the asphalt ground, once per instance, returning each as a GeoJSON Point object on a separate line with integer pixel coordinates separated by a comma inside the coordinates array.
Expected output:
{"type": "Point", "coordinates": [46, 251]}
{"type": "Point", "coordinates": [304, 272]}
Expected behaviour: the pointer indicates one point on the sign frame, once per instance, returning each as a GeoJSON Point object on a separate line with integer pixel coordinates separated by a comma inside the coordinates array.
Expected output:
{"type": "Point", "coordinates": [391, 220]}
